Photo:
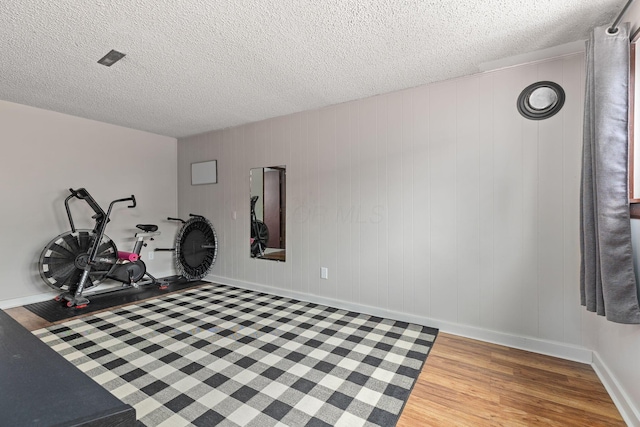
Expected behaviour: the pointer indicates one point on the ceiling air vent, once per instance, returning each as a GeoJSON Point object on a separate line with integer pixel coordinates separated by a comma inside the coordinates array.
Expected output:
{"type": "Point", "coordinates": [111, 58]}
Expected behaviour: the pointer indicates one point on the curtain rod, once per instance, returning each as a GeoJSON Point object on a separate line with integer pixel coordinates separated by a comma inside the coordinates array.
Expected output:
{"type": "Point", "coordinates": [614, 27]}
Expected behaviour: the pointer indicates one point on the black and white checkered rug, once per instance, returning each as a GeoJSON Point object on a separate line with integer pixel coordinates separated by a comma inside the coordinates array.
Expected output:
{"type": "Point", "coordinates": [219, 355]}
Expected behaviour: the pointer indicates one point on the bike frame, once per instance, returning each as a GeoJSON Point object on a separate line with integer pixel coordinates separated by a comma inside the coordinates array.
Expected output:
{"type": "Point", "coordinates": [101, 219]}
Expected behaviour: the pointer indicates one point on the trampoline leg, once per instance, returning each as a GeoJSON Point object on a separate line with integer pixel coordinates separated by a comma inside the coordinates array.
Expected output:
{"type": "Point", "coordinates": [154, 281]}
{"type": "Point", "coordinates": [161, 283]}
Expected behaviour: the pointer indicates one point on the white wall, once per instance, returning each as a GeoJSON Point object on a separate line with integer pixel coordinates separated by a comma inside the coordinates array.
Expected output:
{"type": "Point", "coordinates": [440, 202]}
{"type": "Point", "coordinates": [46, 153]}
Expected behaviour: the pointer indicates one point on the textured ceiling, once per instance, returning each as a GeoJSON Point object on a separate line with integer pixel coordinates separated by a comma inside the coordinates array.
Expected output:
{"type": "Point", "coordinates": [198, 65]}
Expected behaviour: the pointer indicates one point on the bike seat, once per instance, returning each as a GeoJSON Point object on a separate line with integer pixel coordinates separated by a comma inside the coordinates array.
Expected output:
{"type": "Point", "coordinates": [147, 227]}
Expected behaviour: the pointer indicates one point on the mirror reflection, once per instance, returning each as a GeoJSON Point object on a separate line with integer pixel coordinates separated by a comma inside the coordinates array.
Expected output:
{"type": "Point", "coordinates": [268, 213]}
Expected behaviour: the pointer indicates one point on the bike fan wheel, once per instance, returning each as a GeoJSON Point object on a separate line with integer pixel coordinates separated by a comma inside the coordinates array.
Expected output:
{"type": "Point", "coordinates": [196, 248]}
{"type": "Point", "coordinates": [259, 242]}
{"type": "Point", "coordinates": [63, 259]}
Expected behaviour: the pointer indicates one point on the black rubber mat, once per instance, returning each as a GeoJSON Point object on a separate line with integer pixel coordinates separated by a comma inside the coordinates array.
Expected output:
{"type": "Point", "coordinates": [54, 311]}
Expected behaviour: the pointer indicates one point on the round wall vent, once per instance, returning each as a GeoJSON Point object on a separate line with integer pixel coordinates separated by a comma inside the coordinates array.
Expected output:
{"type": "Point", "coordinates": [541, 100]}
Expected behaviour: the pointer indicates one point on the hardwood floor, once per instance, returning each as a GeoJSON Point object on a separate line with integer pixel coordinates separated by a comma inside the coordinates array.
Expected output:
{"type": "Point", "coordinates": [466, 382]}
{"type": "Point", "coordinates": [471, 383]}
{"type": "Point", "coordinates": [27, 318]}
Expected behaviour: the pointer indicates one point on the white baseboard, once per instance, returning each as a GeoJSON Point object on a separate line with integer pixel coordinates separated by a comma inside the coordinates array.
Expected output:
{"type": "Point", "coordinates": [17, 302]}
{"type": "Point", "coordinates": [46, 296]}
{"type": "Point", "coordinates": [628, 409]}
{"type": "Point", "coordinates": [550, 348]}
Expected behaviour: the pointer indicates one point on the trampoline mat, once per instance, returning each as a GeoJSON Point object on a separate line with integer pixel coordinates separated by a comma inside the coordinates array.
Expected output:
{"type": "Point", "coordinates": [54, 311]}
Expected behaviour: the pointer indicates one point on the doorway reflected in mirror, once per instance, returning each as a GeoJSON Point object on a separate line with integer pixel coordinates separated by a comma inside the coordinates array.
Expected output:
{"type": "Point", "coordinates": [268, 213]}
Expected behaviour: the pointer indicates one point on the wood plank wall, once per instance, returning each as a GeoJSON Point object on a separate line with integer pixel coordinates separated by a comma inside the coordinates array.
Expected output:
{"type": "Point", "coordinates": [439, 201]}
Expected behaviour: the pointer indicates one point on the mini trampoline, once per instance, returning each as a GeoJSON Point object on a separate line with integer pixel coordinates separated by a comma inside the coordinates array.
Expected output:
{"type": "Point", "coordinates": [196, 248]}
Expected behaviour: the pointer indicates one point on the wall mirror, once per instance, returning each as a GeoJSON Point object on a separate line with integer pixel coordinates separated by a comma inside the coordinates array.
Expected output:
{"type": "Point", "coordinates": [268, 213]}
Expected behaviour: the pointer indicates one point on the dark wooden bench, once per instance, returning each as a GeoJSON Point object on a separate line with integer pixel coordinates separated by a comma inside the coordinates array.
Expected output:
{"type": "Point", "coordinates": [38, 387]}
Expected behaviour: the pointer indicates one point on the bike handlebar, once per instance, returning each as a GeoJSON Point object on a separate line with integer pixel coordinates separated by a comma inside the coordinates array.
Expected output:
{"type": "Point", "coordinates": [83, 194]}
{"type": "Point", "coordinates": [101, 217]}
{"type": "Point", "coordinates": [182, 220]}
{"type": "Point", "coordinates": [126, 199]}
{"type": "Point", "coordinates": [76, 193]}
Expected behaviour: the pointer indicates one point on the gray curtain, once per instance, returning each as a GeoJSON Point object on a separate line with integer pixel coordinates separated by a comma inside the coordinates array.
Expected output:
{"type": "Point", "coordinates": [607, 279]}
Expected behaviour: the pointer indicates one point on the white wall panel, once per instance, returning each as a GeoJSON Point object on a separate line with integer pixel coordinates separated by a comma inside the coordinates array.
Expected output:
{"type": "Point", "coordinates": [486, 199]}
{"type": "Point", "coordinates": [551, 193]}
{"type": "Point", "coordinates": [444, 233]}
{"type": "Point", "coordinates": [439, 201]}
{"type": "Point", "coordinates": [508, 202]}
{"type": "Point", "coordinates": [362, 215]}
{"type": "Point", "coordinates": [295, 190]}
{"type": "Point", "coordinates": [572, 166]}
{"type": "Point", "coordinates": [347, 262]}
{"type": "Point", "coordinates": [327, 203]}
{"type": "Point", "coordinates": [394, 216]}
{"type": "Point", "coordinates": [386, 285]}
{"type": "Point", "coordinates": [467, 201]}
{"type": "Point", "coordinates": [408, 139]}
{"type": "Point", "coordinates": [314, 216]}
{"type": "Point", "coordinates": [421, 203]}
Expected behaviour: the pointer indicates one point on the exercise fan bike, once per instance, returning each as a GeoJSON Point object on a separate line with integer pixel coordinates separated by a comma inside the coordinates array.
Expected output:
{"type": "Point", "coordinates": [80, 259]}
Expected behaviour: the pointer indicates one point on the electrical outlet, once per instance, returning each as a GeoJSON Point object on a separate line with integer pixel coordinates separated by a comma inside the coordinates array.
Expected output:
{"type": "Point", "coordinates": [150, 255]}
{"type": "Point", "coordinates": [324, 273]}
